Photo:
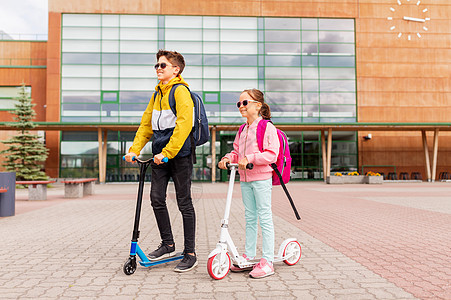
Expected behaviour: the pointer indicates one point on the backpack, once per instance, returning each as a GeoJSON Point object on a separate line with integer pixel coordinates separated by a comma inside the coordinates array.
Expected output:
{"type": "Point", "coordinates": [200, 131]}
{"type": "Point", "coordinates": [283, 163]}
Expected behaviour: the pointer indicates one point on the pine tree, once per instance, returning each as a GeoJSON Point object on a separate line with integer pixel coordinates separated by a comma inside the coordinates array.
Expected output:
{"type": "Point", "coordinates": [26, 152]}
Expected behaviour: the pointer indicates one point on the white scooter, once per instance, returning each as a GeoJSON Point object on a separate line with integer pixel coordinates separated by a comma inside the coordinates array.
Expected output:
{"type": "Point", "coordinates": [225, 253]}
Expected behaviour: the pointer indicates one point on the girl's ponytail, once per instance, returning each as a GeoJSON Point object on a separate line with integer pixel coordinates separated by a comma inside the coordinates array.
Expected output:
{"type": "Point", "coordinates": [257, 95]}
{"type": "Point", "coordinates": [265, 111]}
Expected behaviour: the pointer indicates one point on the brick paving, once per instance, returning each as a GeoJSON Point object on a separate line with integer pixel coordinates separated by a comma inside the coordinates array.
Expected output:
{"type": "Point", "coordinates": [390, 241]}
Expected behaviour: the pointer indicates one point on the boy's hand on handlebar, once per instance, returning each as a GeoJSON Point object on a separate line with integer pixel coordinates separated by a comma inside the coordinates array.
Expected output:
{"type": "Point", "coordinates": [158, 159]}
{"type": "Point", "coordinates": [243, 163]}
{"type": "Point", "coordinates": [223, 162]}
{"type": "Point", "coordinates": [129, 156]}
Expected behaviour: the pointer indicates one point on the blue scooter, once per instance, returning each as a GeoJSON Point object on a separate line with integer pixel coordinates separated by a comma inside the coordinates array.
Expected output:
{"type": "Point", "coordinates": [130, 265]}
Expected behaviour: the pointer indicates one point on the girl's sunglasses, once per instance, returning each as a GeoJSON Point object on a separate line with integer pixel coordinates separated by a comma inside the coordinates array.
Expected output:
{"type": "Point", "coordinates": [244, 103]}
{"type": "Point", "coordinates": [161, 65]}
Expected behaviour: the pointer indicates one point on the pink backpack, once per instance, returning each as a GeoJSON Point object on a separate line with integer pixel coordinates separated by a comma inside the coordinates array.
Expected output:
{"type": "Point", "coordinates": [283, 163]}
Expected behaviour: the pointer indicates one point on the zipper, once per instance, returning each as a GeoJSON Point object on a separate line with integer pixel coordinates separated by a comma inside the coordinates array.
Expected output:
{"type": "Point", "coordinates": [159, 116]}
{"type": "Point", "coordinates": [245, 146]}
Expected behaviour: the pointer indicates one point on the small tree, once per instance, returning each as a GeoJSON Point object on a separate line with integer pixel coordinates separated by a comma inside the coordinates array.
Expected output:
{"type": "Point", "coordinates": [26, 152]}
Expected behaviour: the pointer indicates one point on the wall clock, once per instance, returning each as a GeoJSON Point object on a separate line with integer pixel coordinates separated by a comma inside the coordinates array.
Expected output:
{"type": "Point", "coordinates": [408, 18]}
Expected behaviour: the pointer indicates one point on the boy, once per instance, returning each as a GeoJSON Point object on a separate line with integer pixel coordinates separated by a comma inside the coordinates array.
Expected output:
{"type": "Point", "coordinates": [171, 139]}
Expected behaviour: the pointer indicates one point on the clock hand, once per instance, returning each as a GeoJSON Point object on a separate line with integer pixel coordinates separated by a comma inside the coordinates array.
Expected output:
{"type": "Point", "coordinates": [414, 19]}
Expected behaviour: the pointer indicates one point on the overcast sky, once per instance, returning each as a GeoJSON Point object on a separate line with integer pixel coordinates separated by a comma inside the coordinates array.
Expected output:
{"type": "Point", "coordinates": [24, 16]}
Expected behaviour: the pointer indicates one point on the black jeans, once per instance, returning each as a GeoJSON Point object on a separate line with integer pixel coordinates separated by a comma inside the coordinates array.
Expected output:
{"type": "Point", "coordinates": [180, 169]}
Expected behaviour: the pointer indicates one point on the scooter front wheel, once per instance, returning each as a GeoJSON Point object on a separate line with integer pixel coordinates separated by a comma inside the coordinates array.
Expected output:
{"type": "Point", "coordinates": [130, 266]}
{"type": "Point", "coordinates": [215, 269]}
{"type": "Point", "coordinates": [292, 253]}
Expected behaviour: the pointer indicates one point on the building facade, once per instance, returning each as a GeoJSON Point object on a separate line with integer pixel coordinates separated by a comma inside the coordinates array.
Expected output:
{"type": "Point", "coordinates": [324, 62]}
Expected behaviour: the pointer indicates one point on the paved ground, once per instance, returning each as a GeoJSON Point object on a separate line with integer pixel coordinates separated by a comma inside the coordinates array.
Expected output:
{"type": "Point", "coordinates": [390, 241]}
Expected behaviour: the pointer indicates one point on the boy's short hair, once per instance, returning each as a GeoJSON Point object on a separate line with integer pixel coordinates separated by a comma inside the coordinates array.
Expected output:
{"type": "Point", "coordinates": [174, 57]}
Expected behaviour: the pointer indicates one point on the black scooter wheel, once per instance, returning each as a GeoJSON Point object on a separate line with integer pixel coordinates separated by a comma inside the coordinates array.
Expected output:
{"type": "Point", "coordinates": [130, 266]}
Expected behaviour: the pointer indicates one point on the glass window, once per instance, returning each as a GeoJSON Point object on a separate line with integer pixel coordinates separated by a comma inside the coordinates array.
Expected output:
{"type": "Point", "coordinates": [310, 98]}
{"type": "Point", "coordinates": [110, 33]}
{"type": "Point", "coordinates": [90, 33]}
{"type": "Point", "coordinates": [238, 22]}
{"type": "Point", "coordinates": [185, 47]}
{"type": "Point", "coordinates": [237, 85]}
{"type": "Point", "coordinates": [275, 98]}
{"type": "Point", "coordinates": [310, 24]}
{"type": "Point", "coordinates": [110, 46]}
{"type": "Point", "coordinates": [138, 46]}
{"type": "Point", "coordinates": [192, 72]}
{"type": "Point", "coordinates": [110, 84]}
{"type": "Point", "coordinates": [183, 22]}
{"type": "Point", "coordinates": [110, 71]}
{"type": "Point", "coordinates": [238, 60]}
{"type": "Point", "coordinates": [110, 59]}
{"type": "Point", "coordinates": [338, 98]}
{"type": "Point", "coordinates": [338, 85]}
{"type": "Point", "coordinates": [336, 24]}
{"type": "Point", "coordinates": [238, 35]}
{"type": "Point", "coordinates": [211, 22]}
{"type": "Point", "coordinates": [283, 85]}
{"type": "Point", "coordinates": [138, 21]}
{"type": "Point", "coordinates": [211, 85]}
{"type": "Point", "coordinates": [282, 72]}
{"type": "Point", "coordinates": [81, 58]}
{"type": "Point", "coordinates": [309, 73]}
{"type": "Point", "coordinates": [81, 20]}
{"type": "Point", "coordinates": [309, 36]}
{"type": "Point", "coordinates": [285, 23]}
{"type": "Point", "coordinates": [337, 73]}
{"type": "Point", "coordinates": [110, 96]}
{"type": "Point", "coordinates": [110, 20]}
{"type": "Point", "coordinates": [183, 34]}
{"type": "Point", "coordinates": [336, 37]}
{"type": "Point", "coordinates": [310, 85]}
{"type": "Point", "coordinates": [138, 34]}
{"type": "Point", "coordinates": [210, 35]}
{"type": "Point", "coordinates": [80, 96]}
{"type": "Point", "coordinates": [336, 61]}
{"type": "Point", "coordinates": [135, 97]}
{"type": "Point", "coordinates": [282, 48]}
{"type": "Point", "coordinates": [338, 49]}
{"type": "Point", "coordinates": [7, 95]}
{"type": "Point", "coordinates": [136, 84]}
{"type": "Point", "coordinates": [138, 59]}
{"type": "Point", "coordinates": [80, 84]}
{"type": "Point", "coordinates": [239, 72]}
{"type": "Point", "coordinates": [80, 71]}
{"type": "Point", "coordinates": [211, 72]}
{"type": "Point", "coordinates": [238, 48]}
{"type": "Point", "coordinates": [283, 61]}
{"type": "Point", "coordinates": [282, 36]}
{"type": "Point", "coordinates": [80, 46]}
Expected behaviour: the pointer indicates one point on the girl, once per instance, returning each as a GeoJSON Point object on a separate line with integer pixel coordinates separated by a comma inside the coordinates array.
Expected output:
{"type": "Point", "coordinates": [256, 184]}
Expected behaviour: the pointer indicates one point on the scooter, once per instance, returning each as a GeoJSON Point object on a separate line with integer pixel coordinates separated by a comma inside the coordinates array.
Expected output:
{"type": "Point", "coordinates": [225, 253]}
{"type": "Point", "coordinates": [130, 264]}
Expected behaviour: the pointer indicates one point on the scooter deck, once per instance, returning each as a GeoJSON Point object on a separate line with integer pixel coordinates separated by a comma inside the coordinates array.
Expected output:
{"type": "Point", "coordinates": [149, 263]}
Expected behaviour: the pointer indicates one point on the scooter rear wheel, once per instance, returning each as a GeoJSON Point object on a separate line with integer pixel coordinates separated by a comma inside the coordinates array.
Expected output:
{"type": "Point", "coordinates": [292, 252]}
{"type": "Point", "coordinates": [215, 269]}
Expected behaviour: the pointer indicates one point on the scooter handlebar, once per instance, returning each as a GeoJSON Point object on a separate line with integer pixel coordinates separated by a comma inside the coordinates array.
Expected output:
{"type": "Point", "coordinates": [134, 158]}
{"type": "Point", "coordinates": [249, 166]}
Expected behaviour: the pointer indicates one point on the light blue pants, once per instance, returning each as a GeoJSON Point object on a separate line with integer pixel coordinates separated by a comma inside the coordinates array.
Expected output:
{"type": "Point", "coordinates": [257, 206]}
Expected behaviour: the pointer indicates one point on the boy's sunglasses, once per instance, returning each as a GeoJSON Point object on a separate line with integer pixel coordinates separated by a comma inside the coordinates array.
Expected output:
{"type": "Point", "coordinates": [244, 103]}
{"type": "Point", "coordinates": [161, 65]}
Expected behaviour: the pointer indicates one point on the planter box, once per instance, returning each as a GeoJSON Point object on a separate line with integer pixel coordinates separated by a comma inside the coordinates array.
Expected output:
{"type": "Point", "coordinates": [374, 179]}
{"type": "Point", "coordinates": [354, 179]}
{"type": "Point", "coordinates": [345, 179]}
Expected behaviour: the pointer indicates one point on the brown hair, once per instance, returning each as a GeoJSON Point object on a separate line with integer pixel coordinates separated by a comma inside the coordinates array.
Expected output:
{"type": "Point", "coordinates": [174, 57]}
{"type": "Point", "coordinates": [257, 95]}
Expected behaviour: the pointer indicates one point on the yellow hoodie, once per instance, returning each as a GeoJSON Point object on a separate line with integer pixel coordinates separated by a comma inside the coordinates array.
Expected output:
{"type": "Point", "coordinates": [170, 132]}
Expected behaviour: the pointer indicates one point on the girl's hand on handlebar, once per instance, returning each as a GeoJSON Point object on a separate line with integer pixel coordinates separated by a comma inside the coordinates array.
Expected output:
{"type": "Point", "coordinates": [129, 157]}
{"type": "Point", "coordinates": [223, 162]}
{"type": "Point", "coordinates": [243, 163]}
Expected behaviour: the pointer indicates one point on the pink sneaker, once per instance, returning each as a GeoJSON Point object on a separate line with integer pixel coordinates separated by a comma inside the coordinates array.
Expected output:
{"type": "Point", "coordinates": [234, 268]}
{"type": "Point", "coordinates": [262, 269]}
